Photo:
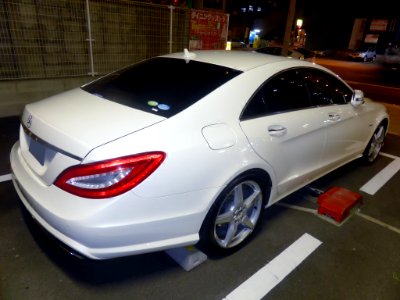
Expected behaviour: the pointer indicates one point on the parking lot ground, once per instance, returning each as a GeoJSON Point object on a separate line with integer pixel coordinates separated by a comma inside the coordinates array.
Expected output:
{"type": "Point", "coordinates": [359, 259]}
{"type": "Point", "coordinates": [8, 135]}
{"type": "Point", "coordinates": [394, 113]}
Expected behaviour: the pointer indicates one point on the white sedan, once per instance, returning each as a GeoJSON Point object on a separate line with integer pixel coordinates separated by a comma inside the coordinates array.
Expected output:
{"type": "Point", "coordinates": [185, 148]}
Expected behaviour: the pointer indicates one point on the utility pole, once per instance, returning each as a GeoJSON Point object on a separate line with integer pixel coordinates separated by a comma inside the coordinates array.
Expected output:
{"type": "Point", "coordinates": [289, 25]}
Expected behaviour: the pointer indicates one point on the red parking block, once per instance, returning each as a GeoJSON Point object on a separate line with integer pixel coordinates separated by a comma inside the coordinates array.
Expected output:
{"type": "Point", "coordinates": [337, 203]}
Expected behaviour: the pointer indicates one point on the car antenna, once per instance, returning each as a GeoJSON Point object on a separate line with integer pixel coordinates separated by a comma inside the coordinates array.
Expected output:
{"type": "Point", "coordinates": [188, 55]}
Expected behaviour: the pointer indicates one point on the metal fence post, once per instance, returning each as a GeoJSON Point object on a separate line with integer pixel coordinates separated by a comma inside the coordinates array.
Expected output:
{"type": "Point", "coordinates": [171, 9]}
{"type": "Point", "coordinates": [54, 39]}
{"type": "Point", "coordinates": [90, 40]}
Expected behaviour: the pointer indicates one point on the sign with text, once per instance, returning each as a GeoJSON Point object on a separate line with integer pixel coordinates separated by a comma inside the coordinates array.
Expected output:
{"type": "Point", "coordinates": [378, 25]}
{"type": "Point", "coordinates": [208, 30]}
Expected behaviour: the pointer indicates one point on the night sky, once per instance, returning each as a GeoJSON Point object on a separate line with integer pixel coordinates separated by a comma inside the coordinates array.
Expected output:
{"type": "Point", "coordinates": [329, 23]}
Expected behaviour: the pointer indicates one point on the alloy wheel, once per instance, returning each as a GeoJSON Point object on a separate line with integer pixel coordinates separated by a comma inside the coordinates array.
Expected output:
{"type": "Point", "coordinates": [238, 214]}
{"type": "Point", "coordinates": [376, 144]}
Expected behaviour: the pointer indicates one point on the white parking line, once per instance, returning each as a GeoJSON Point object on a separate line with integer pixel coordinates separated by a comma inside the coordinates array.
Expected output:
{"type": "Point", "coordinates": [299, 208]}
{"type": "Point", "coordinates": [376, 221]}
{"type": "Point", "coordinates": [5, 177]}
{"type": "Point", "coordinates": [264, 280]}
{"type": "Point", "coordinates": [380, 179]}
{"type": "Point", "coordinates": [389, 155]}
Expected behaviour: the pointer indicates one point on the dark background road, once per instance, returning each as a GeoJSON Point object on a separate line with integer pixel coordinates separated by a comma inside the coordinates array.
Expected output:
{"type": "Point", "coordinates": [377, 81]}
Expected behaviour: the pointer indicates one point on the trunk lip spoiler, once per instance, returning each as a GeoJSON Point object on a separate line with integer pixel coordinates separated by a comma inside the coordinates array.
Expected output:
{"type": "Point", "coordinates": [41, 141]}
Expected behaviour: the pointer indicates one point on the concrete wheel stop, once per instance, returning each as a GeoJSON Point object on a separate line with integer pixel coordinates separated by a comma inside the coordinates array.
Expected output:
{"type": "Point", "coordinates": [187, 257]}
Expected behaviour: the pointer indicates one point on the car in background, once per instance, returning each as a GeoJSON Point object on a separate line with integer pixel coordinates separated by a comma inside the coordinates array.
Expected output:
{"type": "Point", "coordinates": [186, 148]}
{"type": "Point", "coordinates": [237, 44]}
{"type": "Point", "coordinates": [299, 53]}
{"type": "Point", "coordinates": [326, 53]}
{"type": "Point", "coordinates": [364, 54]}
{"type": "Point", "coordinates": [307, 54]}
{"type": "Point", "coordinates": [391, 57]}
{"type": "Point", "coordinates": [278, 51]}
{"type": "Point", "coordinates": [335, 53]}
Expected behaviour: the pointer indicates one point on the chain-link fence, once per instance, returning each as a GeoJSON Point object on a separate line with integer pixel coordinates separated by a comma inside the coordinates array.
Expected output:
{"type": "Point", "coordinates": [48, 38]}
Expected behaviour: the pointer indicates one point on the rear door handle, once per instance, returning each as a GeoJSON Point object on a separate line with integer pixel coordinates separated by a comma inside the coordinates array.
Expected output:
{"type": "Point", "coordinates": [276, 130]}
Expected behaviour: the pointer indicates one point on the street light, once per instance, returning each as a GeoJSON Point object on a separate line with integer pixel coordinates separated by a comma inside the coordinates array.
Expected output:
{"type": "Point", "coordinates": [300, 34]}
{"type": "Point", "coordinates": [299, 23]}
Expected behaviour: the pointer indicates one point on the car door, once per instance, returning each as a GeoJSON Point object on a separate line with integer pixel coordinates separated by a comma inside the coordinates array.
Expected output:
{"type": "Point", "coordinates": [345, 125]}
{"type": "Point", "coordinates": [285, 130]}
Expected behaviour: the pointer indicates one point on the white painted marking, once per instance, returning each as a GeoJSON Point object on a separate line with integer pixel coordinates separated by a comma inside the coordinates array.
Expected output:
{"type": "Point", "coordinates": [389, 155]}
{"type": "Point", "coordinates": [299, 208]}
{"type": "Point", "coordinates": [376, 221]}
{"type": "Point", "coordinates": [264, 280]}
{"type": "Point", "coordinates": [5, 177]}
{"type": "Point", "coordinates": [380, 179]}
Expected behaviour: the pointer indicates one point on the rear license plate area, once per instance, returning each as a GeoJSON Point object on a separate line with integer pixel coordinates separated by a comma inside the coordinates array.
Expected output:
{"type": "Point", "coordinates": [38, 151]}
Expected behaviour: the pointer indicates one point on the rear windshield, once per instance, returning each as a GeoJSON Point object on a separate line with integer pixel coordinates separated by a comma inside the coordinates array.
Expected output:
{"type": "Point", "coordinates": [162, 86]}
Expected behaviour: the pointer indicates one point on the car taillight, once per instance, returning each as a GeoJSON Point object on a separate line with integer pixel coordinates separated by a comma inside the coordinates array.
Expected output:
{"type": "Point", "coordinates": [109, 178]}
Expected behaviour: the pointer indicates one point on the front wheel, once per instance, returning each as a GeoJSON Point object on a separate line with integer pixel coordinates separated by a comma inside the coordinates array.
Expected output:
{"type": "Point", "coordinates": [375, 144]}
{"type": "Point", "coordinates": [234, 215]}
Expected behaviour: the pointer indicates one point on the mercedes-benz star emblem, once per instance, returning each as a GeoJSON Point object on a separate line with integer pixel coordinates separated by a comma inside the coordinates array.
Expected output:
{"type": "Point", "coordinates": [29, 121]}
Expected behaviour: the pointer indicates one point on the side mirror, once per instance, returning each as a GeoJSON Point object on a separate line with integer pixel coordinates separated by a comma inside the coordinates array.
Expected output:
{"type": "Point", "coordinates": [358, 98]}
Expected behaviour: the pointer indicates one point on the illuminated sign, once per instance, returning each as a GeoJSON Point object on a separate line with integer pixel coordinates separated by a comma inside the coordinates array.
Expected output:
{"type": "Point", "coordinates": [378, 25]}
{"type": "Point", "coordinates": [208, 29]}
{"type": "Point", "coordinates": [371, 38]}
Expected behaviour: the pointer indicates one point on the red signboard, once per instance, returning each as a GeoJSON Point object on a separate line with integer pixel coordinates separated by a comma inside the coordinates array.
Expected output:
{"type": "Point", "coordinates": [378, 25]}
{"type": "Point", "coordinates": [208, 29]}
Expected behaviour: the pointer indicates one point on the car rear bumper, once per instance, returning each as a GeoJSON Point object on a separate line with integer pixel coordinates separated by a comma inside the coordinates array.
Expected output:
{"type": "Point", "coordinates": [100, 229]}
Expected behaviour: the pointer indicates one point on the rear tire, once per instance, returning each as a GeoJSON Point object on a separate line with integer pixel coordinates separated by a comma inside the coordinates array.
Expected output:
{"type": "Point", "coordinates": [234, 215]}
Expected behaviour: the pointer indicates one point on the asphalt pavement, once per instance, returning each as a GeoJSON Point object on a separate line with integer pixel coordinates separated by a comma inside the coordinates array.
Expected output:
{"type": "Point", "coordinates": [357, 259]}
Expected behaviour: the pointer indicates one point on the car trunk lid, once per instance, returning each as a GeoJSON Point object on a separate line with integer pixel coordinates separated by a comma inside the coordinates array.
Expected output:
{"type": "Point", "coordinates": [71, 124]}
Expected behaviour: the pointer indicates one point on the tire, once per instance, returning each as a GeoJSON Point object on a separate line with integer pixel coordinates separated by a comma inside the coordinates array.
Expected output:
{"type": "Point", "coordinates": [234, 215]}
{"type": "Point", "coordinates": [375, 144]}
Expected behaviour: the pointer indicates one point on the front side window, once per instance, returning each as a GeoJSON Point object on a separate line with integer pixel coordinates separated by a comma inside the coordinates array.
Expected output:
{"type": "Point", "coordinates": [285, 92]}
{"type": "Point", "coordinates": [325, 89]}
{"type": "Point", "coordinates": [162, 86]}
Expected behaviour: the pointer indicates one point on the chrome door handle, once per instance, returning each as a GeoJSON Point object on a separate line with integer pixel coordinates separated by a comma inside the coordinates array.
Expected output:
{"type": "Point", "coordinates": [276, 130]}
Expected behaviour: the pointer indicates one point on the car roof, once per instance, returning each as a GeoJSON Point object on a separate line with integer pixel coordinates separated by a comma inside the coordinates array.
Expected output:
{"type": "Point", "coordinates": [239, 60]}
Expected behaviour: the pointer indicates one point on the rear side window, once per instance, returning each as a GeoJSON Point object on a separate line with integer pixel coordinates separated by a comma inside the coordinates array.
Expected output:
{"type": "Point", "coordinates": [162, 86]}
{"type": "Point", "coordinates": [284, 92]}
{"type": "Point", "coordinates": [325, 89]}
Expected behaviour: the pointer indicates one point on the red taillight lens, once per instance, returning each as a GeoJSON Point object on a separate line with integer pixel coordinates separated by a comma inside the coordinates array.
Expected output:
{"type": "Point", "coordinates": [111, 177]}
